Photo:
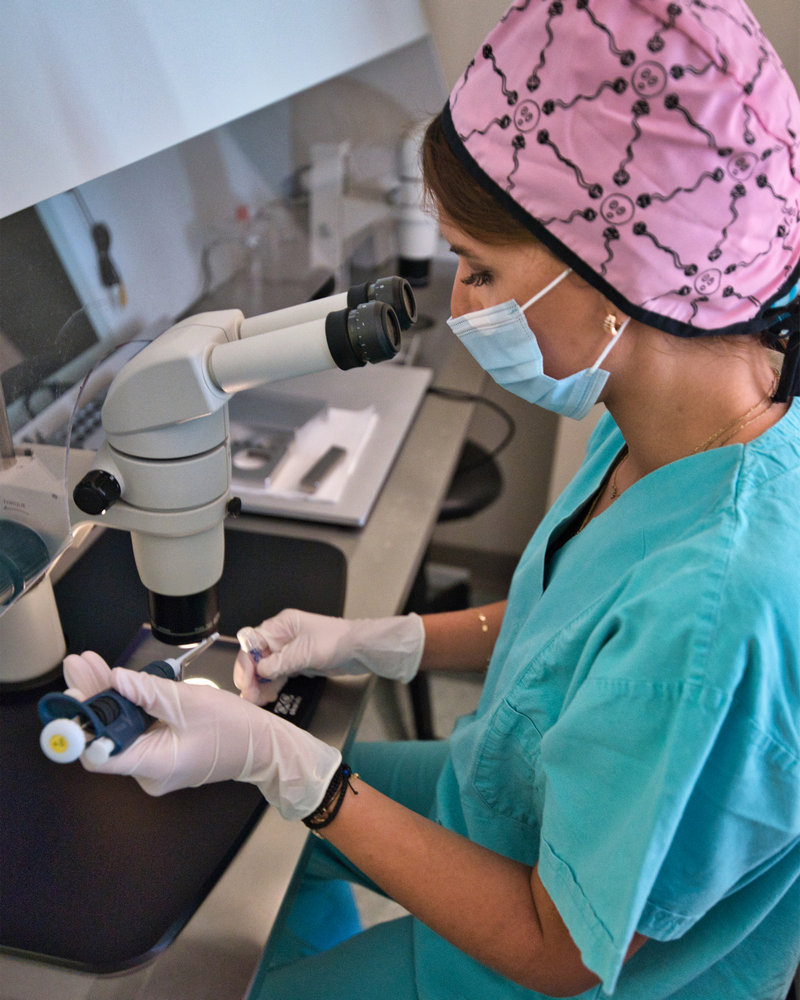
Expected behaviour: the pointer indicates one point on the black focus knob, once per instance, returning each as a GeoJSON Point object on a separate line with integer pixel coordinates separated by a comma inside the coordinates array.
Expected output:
{"type": "Point", "coordinates": [96, 492]}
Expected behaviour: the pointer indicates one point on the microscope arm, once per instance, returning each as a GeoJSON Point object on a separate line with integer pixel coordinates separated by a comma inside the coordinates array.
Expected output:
{"type": "Point", "coordinates": [193, 369]}
{"type": "Point", "coordinates": [164, 471]}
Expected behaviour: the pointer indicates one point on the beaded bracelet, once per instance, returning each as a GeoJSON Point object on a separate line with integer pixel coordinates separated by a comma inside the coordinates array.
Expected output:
{"type": "Point", "coordinates": [328, 809]}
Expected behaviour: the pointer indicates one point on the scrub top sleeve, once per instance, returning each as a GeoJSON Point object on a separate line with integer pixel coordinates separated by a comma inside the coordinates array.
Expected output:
{"type": "Point", "coordinates": [619, 765]}
{"type": "Point", "coordinates": [662, 796]}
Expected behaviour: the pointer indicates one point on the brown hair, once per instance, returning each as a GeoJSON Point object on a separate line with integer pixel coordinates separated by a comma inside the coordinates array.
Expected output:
{"type": "Point", "coordinates": [452, 191]}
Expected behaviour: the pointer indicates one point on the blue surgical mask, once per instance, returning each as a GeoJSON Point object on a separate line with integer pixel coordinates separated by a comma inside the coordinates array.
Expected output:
{"type": "Point", "coordinates": [503, 344]}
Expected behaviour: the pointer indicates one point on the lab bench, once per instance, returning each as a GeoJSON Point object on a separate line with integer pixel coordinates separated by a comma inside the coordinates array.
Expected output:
{"type": "Point", "coordinates": [218, 950]}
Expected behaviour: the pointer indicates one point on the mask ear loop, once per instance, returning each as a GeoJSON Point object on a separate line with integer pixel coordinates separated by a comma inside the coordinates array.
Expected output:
{"type": "Point", "coordinates": [615, 332]}
{"type": "Point", "coordinates": [546, 289]}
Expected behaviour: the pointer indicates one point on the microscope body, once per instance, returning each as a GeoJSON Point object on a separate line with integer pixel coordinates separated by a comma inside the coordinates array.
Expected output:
{"type": "Point", "coordinates": [164, 471]}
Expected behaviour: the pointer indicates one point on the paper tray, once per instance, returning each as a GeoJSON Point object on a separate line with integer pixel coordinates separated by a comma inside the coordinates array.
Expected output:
{"type": "Point", "coordinates": [395, 391]}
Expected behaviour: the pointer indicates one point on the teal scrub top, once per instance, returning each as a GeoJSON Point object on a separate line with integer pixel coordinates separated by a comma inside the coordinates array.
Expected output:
{"type": "Point", "coordinates": [639, 731]}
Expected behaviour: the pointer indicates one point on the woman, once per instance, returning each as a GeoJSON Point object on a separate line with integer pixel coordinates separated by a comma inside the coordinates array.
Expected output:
{"type": "Point", "coordinates": [621, 814]}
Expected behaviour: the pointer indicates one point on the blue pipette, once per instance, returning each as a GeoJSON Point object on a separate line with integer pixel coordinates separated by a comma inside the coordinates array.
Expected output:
{"type": "Point", "coordinates": [107, 723]}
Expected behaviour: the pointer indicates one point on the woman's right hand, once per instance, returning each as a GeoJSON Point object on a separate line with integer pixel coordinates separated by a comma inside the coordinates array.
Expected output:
{"type": "Point", "coordinates": [299, 642]}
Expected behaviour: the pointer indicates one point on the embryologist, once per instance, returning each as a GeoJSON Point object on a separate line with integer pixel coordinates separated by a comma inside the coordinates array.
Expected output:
{"type": "Point", "coordinates": [620, 183]}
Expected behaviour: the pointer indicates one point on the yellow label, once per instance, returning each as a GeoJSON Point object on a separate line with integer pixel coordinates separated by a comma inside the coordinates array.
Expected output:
{"type": "Point", "coordinates": [58, 743]}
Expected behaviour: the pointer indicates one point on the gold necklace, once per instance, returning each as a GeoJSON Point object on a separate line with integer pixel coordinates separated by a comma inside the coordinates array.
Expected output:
{"type": "Point", "coordinates": [612, 493]}
{"type": "Point", "coordinates": [740, 422]}
{"type": "Point", "coordinates": [729, 431]}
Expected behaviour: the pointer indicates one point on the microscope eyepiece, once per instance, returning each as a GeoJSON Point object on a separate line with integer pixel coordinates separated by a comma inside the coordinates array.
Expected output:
{"type": "Point", "coordinates": [368, 333]}
{"type": "Point", "coordinates": [394, 291]}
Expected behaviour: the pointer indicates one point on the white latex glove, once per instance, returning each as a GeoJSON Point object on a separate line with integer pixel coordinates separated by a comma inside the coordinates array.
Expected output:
{"type": "Point", "coordinates": [300, 642]}
{"type": "Point", "coordinates": [209, 735]}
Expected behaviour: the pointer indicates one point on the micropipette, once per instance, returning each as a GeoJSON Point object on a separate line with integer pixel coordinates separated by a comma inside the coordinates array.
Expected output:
{"type": "Point", "coordinates": [107, 723]}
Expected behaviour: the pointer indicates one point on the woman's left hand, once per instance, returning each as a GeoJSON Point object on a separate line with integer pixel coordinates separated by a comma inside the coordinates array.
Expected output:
{"type": "Point", "coordinates": [205, 735]}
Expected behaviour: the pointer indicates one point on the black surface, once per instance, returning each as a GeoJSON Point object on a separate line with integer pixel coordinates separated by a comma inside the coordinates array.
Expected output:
{"type": "Point", "coordinates": [94, 874]}
{"type": "Point", "coordinates": [40, 312]}
{"type": "Point", "coordinates": [102, 601]}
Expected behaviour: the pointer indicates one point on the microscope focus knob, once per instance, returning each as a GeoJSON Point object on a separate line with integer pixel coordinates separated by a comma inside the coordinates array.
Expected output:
{"type": "Point", "coordinates": [96, 492]}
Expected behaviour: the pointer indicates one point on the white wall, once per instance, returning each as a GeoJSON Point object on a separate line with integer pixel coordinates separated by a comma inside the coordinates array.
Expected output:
{"type": "Point", "coordinates": [458, 27]}
{"type": "Point", "coordinates": [780, 20]}
{"type": "Point", "coordinates": [161, 212]}
{"type": "Point", "coordinates": [89, 86]}
{"type": "Point", "coordinates": [163, 209]}
{"type": "Point", "coordinates": [168, 115]}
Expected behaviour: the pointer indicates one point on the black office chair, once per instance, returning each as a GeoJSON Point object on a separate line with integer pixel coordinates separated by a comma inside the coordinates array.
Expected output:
{"type": "Point", "coordinates": [476, 483]}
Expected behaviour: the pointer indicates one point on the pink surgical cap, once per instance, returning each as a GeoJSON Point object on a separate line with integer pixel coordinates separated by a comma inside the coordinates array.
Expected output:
{"type": "Point", "coordinates": [653, 146]}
